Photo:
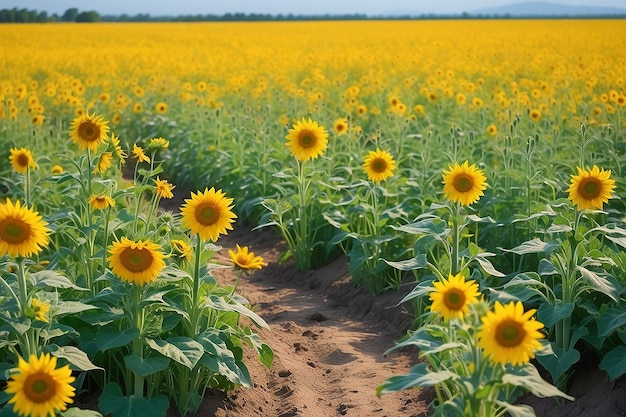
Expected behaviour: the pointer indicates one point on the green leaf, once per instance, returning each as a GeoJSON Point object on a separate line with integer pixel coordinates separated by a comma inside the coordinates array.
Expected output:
{"type": "Point", "coordinates": [419, 262]}
{"type": "Point", "coordinates": [48, 278]}
{"type": "Point", "coordinates": [423, 288]}
{"type": "Point", "coordinates": [77, 412]}
{"type": "Point", "coordinates": [520, 410]}
{"type": "Point", "coordinates": [560, 362]}
{"type": "Point", "coordinates": [487, 265]}
{"type": "Point", "coordinates": [611, 320]}
{"type": "Point", "coordinates": [614, 362]}
{"type": "Point", "coordinates": [76, 357]}
{"type": "Point", "coordinates": [533, 246]}
{"type": "Point", "coordinates": [183, 350]}
{"type": "Point", "coordinates": [550, 314]}
{"type": "Point", "coordinates": [266, 355]}
{"type": "Point", "coordinates": [419, 376]}
{"type": "Point", "coordinates": [72, 307]}
{"type": "Point", "coordinates": [112, 402]}
{"type": "Point", "coordinates": [219, 303]}
{"type": "Point", "coordinates": [146, 366]}
{"type": "Point", "coordinates": [109, 338]}
{"type": "Point", "coordinates": [528, 377]}
{"type": "Point", "coordinates": [599, 283]}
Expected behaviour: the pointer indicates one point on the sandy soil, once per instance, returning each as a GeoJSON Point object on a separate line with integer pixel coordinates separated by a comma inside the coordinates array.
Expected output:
{"type": "Point", "coordinates": [329, 340]}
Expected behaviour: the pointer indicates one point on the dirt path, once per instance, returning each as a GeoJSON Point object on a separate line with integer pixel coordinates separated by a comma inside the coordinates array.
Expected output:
{"type": "Point", "coordinates": [328, 339]}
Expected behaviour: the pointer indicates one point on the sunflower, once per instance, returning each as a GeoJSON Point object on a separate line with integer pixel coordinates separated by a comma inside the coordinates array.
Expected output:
{"type": "Point", "coordinates": [38, 388]}
{"type": "Point", "coordinates": [103, 163]}
{"type": "Point", "coordinates": [591, 188]}
{"type": "Point", "coordinates": [452, 296]}
{"type": "Point", "coordinates": [22, 230]}
{"type": "Point", "coordinates": [136, 262]}
{"type": "Point", "coordinates": [163, 188]}
{"type": "Point", "coordinates": [208, 214]}
{"type": "Point", "coordinates": [181, 249]}
{"type": "Point", "coordinates": [39, 310]}
{"type": "Point", "coordinates": [340, 126]}
{"type": "Point", "coordinates": [535, 115]}
{"type": "Point", "coordinates": [116, 150]}
{"type": "Point", "coordinates": [464, 183]}
{"type": "Point", "coordinates": [57, 170]}
{"type": "Point", "coordinates": [379, 165]}
{"type": "Point", "coordinates": [307, 139]}
{"type": "Point", "coordinates": [161, 107]}
{"type": "Point", "coordinates": [139, 154]}
{"type": "Point", "coordinates": [158, 144]}
{"type": "Point", "coordinates": [21, 159]}
{"type": "Point", "coordinates": [244, 259]}
{"type": "Point", "coordinates": [508, 334]}
{"type": "Point", "coordinates": [492, 130]}
{"type": "Point", "coordinates": [88, 131]}
{"type": "Point", "coordinates": [101, 201]}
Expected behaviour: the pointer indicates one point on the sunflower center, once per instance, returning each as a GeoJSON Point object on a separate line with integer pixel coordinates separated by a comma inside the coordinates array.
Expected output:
{"type": "Point", "coordinates": [136, 260]}
{"type": "Point", "coordinates": [89, 131]}
{"type": "Point", "coordinates": [207, 214]}
{"type": "Point", "coordinates": [463, 183]}
{"type": "Point", "coordinates": [590, 189]}
{"type": "Point", "coordinates": [454, 299]}
{"type": "Point", "coordinates": [22, 160]}
{"type": "Point", "coordinates": [510, 333]}
{"type": "Point", "coordinates": [379, 165]}
{"type": "Point", "coordinates": [14, 230]}
{"type": "Point", "coordinates": [242, 260]}
{"type": "Point", "coordinates": [39, 387]}
{"type": "Point", "coordinates": [306, 139]}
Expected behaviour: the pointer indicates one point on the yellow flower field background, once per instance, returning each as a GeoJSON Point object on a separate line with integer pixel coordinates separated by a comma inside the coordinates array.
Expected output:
{"type": "Point", "coordinates": [479, 161]}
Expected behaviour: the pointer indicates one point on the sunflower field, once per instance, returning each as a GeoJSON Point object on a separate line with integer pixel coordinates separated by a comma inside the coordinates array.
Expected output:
{"type": "Point", "coordinates": [477, 161]}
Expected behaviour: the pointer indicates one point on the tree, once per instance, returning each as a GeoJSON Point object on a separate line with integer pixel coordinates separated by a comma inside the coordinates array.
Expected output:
{"type": "Point", "coordinates": [70, 15]}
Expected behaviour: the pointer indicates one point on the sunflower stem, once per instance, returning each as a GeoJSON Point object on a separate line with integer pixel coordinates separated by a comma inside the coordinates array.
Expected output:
{"type": "Point", "coordinates": [195, 291]}
{"type": "Point", "coordinates": [454, 259]}
{"type": "Point", "coordinates": [137, 343]}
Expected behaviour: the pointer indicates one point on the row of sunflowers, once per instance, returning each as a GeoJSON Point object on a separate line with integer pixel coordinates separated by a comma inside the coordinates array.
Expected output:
{"type": "Point", "coordinates": [135, 314]}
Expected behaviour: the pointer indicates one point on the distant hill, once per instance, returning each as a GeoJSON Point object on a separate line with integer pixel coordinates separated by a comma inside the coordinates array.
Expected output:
{"type": "Point", "coordinates": [544, 9]}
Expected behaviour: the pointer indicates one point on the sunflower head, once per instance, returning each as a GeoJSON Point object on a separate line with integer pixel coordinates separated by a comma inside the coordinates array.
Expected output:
{"type": "Point", "coordinates": [591, 188]}
{"type": "Point", "coordinates": [101, 202]}
{"type": "Point", "coordinates": [22, 230]}
{"type": "Point", "coordinates": [103, 162]}
{"type": "Point", "coordinates": [89, 131]}
{"type": "Point", "coordinates": [379, 165]}
{"type": "Point", "coordinates": [464, 183]}
{"type": "Point", "coordinates": [158, 144]}
{"type": "Point", "coordinates": [138, 262]}
{"type": "Point", "coordinates": [341, 126]}
{"type": "Point", "coordinates": [57, 170]}
{"type": "Point", "coordinates": [37, 310]}
{"type": "Point", "coordinates": [510, 335]}
{"type": "Point", "coordinates": [307, 140]}
{"type": "Point", "coordinates": [181, 249]}
{"type": "Point", "coordinates": [21, 160]}
{"type": "Point", "coordinates": [139, 154]}
{"type": "Point", "coordinates": [208, 213]}
{"type": "Point", "coordinates": [40, 389]}
{"type": "Point", "coordinates": [451, 297]}
{"type": "Point", "coordinates": [163, 189]}
{"type": "Point", "coordinates": [244, 259]}
{"type": "Point", "coordinates": [116, 150]}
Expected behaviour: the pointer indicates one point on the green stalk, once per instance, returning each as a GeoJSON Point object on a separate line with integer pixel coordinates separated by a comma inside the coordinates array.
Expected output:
{"type": "Point", "coordinates": [195, 290]}
{"type": "Point", "coordinates": [137, 343]}
{"type": "Point", "coordinates": [454, 259]}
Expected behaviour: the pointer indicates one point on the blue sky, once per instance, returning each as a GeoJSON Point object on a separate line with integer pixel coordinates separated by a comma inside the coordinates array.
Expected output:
{"type": "Point", "coordinates": [371, 7]}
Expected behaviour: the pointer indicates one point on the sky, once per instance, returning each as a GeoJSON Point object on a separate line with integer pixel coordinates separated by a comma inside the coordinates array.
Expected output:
{"type": "Point", "coordinates": [219, 7]}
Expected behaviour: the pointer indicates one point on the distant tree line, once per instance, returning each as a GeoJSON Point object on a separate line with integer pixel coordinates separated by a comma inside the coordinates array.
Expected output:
{"type": "Point", "coordinates": [16, 15]}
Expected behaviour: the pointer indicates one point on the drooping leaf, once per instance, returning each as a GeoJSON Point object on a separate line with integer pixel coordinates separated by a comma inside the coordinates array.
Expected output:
{"type": "Point", "coordinates": [418, 376]}
{"type": "Point", "coordinates": [614, 362]}
{"type": "Point", "coordinates": [113, 402]}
